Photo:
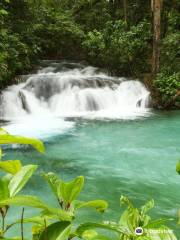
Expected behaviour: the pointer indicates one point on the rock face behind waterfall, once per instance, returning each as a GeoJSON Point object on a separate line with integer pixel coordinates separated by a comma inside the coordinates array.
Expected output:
{"type": "Point", "coordinates": [69, 89]}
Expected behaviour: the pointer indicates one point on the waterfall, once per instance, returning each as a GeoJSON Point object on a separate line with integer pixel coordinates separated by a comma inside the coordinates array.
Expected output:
{"type": "Point", "coordinates": [74, 90]}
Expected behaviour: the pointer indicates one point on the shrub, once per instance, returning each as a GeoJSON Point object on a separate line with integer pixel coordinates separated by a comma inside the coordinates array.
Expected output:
{"type": "Point", "coordinates": [168, 86]}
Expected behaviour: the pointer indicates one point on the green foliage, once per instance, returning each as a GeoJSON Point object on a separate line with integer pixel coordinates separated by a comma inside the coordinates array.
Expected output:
{"type": "Point", "coordinates": [9, 139]}
{"type": "Point", "coordinates": [107, 34]}
{"type": "Point", "coordinates": [57, 231]}
{"type": "Point", "coordinates": [11, 166]}
{"type": "Point", "coordinates": [57, 223]}
{"type": "Point", "coordinates": [118, 48]}
{"type": "Point", "coordinates": [20, 179]}
{"type": "Point", "coordinates": [170, 53]}
{"type": "Point", "coordinates": [168, 85]}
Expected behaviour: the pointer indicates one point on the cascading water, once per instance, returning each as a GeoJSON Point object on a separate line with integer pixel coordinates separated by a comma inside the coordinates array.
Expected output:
{"type": "Point", "coordinates": [73, 90]}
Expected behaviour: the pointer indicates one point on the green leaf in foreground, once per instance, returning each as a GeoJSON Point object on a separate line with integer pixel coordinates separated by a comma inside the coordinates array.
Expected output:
{"type": "Point", "coordinates": [57, 231]}
{"type": "Point", "coordinates": [54, 182]}
{"type": "Point", "coordinates": [70, 190]}
{"type": "Point", "coordinates": [20, 179]}
{"type": "Point", "coordinates": [11, 166]}
{"type": "Point", "coordinates": [99, 205]}
{"type": "Point", "coordinates": [35, 202]}
{"type": "Point", "coordinates": [4, 190]}
{"type": "Point", "coordinates": [24, 200]}
{"type": "Point", "coordinates": [6, 138]}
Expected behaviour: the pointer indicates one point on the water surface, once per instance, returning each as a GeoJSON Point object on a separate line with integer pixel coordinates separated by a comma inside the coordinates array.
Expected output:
{"type": "Point", "coordinates": [135, 158]}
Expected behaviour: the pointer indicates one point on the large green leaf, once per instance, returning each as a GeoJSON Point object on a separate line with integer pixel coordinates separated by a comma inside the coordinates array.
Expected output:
{"type": "Point", "coordinates": [35, 202]}
{"type": "Point", "coordinates": [54, 183]}
{"type": "Point", "coordinates": [56, 231]}
{"type": "Point", "coordinates": [20, 179]}
{"type": "Point", "coordinates": [24, 200]}
{"type": "Point", "coordinates": [6, 138]}
{"type": "Point", "coordinates": [4, 190]}
{"type": "Point", "coordinates": [11, 166]}
{"type": "Point", "coordinates": [130, 219]}
{"type": "Point", "coordinates": [66, 191]}
{"type": "Point", "coordinates": [99, 205]}
{"type": "Point", "coordinates": [69, 191]}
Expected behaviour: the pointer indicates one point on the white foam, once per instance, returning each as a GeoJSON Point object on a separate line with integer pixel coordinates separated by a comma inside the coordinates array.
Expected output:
{"type": "Point", "coordinates": [38, 106]}
{"type": "Point", "coordinates": [41, 127]}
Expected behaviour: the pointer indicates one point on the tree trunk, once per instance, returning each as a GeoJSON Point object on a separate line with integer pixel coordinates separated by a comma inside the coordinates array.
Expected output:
{"type": "Point", "coordinates": [125, 10]}
{"type": "Point", "coordinates": [156, 9]}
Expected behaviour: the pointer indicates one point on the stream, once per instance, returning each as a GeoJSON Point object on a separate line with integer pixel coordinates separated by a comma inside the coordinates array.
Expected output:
{"type": "Point", "coordinates": [98, 126]}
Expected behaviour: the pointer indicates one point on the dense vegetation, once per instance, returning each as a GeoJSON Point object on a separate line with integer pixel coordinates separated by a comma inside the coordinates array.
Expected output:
{"type": "Point", "coordinates": [115, 34]}
{"type": "Point", "coordinates": [58, 222]}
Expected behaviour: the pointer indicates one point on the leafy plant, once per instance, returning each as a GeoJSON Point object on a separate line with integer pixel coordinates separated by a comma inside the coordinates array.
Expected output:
{"type": "Point", "coordinates": [57, 223]}
{"type": "Point", "coordinates": [13, 182]}
{"type": "Point", "coordinates": [168, 86]}
{"type": "Point", "coordinates": [131, 220]}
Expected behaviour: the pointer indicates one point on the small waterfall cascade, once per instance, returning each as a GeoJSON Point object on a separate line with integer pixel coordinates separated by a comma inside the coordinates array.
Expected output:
{"type": "Point", "coordinates": [74, 90]}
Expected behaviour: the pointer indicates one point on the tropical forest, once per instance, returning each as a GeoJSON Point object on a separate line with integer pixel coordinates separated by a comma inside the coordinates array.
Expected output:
{"type": "Point", "coordinates": [89, 119]}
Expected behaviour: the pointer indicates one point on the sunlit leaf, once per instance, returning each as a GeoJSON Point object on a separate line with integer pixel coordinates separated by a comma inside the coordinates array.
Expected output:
{"type": "Point", "coordinates": [24, 200]}
{"type": "Point", "coordinates": [99, 205]}
{"type": "Point", "coordinates": [11, 166]}
{"type": "Point", "coordinates": [20, 179]}
{"type": "Point", "coordinates": [54, 183]}
{"type": "Point", "coordinates": [130, 219]}
{"type": "Point", "coordinates": [6, 138]}
{"type": "Point", "coordinates": [4, 190]}
{"type": "Point", "coordinates": [70, 190]}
